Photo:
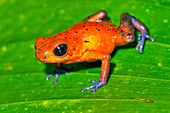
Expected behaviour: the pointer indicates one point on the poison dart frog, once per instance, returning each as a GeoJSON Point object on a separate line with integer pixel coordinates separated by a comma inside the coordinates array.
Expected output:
{"type": "Point", "coordinates": [94, 38]}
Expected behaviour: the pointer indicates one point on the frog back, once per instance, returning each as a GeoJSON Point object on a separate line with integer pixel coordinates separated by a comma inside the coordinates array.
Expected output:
{"type": "Point", "coordinates": [95, 36]}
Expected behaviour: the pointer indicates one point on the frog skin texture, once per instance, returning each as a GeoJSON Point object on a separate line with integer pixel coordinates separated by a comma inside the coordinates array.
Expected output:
{"type": "Point", "coordinates": [94, 38]}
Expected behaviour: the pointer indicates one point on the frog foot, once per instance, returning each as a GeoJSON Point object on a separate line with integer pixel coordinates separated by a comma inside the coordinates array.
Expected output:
{"type": "Point", "coordinates": [57, 71]}
{"type": "Point", "coordinates": [95, 86]}
{"type": "Point", "coordinates": [141, 40]}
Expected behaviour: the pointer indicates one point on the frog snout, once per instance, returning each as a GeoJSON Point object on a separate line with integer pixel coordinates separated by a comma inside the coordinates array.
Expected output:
{"type": "Point", "coordinates": [40, 55]}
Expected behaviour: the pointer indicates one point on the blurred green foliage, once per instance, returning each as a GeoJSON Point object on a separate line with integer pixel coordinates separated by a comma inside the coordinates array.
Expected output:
{"type": "Point", "coordinates": [22, 77]}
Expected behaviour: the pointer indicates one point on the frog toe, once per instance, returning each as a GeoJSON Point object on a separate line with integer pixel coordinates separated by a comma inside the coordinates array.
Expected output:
{"type": "Point", "coordinates": [146, 36]}
{"type": "Point", "coordinates": [95, 86]}
{"type": "Point", "coordinates": [56, 73]}
{"type": "Point", "coordinates": [150, 38]}
{"type": "Point", "coordinates": [49, 76]}
{"type": "Point", "coordinates": [141, 40]}
{"type": "Point", "coordinates": [56, 78]}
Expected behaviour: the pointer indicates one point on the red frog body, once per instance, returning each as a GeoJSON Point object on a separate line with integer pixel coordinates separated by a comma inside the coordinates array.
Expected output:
{"type": "Point", "coordinates": [92, 39]}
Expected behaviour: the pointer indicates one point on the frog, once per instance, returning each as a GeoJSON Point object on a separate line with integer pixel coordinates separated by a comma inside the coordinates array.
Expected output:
{"type": "Point", "coordinates": [92, 39]}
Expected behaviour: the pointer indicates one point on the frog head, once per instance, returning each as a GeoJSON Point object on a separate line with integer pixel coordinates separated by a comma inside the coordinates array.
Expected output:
{"type": "Point", "coordinates": [52, 50]}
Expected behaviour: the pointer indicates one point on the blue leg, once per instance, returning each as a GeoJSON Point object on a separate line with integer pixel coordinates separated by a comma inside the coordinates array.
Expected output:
{"type": "Point", "coordinates": [144, 33]}
{"type": "Point", "coordinates": [127, 21]}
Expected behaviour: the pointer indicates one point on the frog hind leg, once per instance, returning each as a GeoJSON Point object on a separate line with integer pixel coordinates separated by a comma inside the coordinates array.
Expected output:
{"type": "Point", "coordinates": [58, 70]}
{"type": "Point", "coordinates": [127, 25]}
{"type": "Point", "coordinates": [97, 17]}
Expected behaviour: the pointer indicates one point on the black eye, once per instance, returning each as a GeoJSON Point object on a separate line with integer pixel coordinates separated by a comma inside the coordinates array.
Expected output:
{"type": "Point", "coordinates": [60, 50]}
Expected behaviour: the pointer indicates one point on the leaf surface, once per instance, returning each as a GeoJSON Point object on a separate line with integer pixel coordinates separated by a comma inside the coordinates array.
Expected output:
{"type": "Point", "coordinates": [133, 75]}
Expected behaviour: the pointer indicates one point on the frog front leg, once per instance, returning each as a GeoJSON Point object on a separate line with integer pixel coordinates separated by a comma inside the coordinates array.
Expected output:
{"type": "Point", "coordinates": [58, 70]}
{"type": "Point", "coordinates": [126, 26]}
{"type": "Point", "coordinates": [104, 68]}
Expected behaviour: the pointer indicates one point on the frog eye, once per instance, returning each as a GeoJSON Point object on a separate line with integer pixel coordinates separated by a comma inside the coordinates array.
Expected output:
{"type": "Point", "coordinates": [60, 50]}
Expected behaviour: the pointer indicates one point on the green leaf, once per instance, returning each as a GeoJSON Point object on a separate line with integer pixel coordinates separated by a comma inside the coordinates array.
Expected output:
{"type": "Point", "coordinates": [134, 76]}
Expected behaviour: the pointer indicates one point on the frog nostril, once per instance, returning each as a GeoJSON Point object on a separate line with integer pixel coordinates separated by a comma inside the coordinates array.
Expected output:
{"type": "Point", "coordinates": [44, 57]}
